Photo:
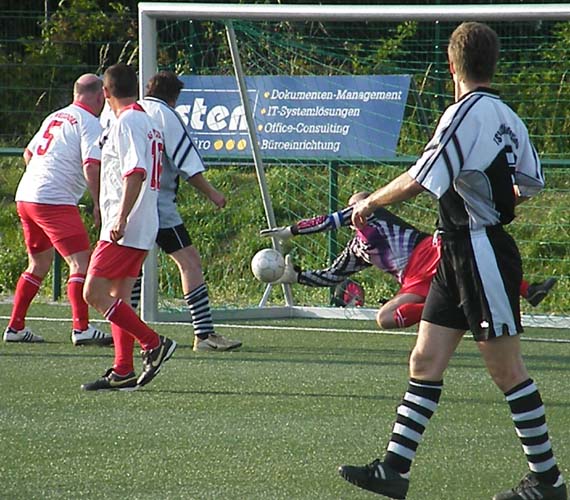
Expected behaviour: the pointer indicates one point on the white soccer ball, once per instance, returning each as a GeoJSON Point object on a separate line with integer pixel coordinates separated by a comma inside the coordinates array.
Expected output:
{"type": "Point", "coordinates": [268, 265]}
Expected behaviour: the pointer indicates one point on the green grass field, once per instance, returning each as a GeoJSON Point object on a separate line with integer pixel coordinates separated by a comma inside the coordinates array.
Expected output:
{"type": "Point", "coordinates": [271, 421]}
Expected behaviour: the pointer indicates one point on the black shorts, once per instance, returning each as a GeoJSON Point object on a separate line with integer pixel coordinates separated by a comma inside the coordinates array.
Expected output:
{"type": "Point", "coordinates": [171, 239]}
{"type": "Point", "coordinates": [477, 284]}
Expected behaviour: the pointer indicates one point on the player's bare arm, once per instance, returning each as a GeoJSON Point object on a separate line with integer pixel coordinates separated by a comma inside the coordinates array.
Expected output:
{"type": "Point", "coordinates": [401, 188]}
{"type": "Point", "coordinates": [132, 185]}
{"type": "Point", "coordinates": [199, 182]}
{"type": "Point", "coordinates": [91, 172]}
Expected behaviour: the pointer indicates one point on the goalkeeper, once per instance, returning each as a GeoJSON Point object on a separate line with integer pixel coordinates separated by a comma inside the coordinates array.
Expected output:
{"type": "Point", "coordinates": [393, 246]}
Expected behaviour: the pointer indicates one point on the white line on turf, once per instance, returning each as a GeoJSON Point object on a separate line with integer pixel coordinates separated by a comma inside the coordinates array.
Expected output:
{"type": "Point", "coordinates": [298, 328]}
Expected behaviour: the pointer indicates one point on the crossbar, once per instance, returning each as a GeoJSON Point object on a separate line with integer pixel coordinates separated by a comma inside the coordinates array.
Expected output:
{"type": "Point", "coordinates": [347, 13]}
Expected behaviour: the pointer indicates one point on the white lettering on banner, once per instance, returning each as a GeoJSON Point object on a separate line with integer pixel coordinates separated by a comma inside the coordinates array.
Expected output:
{"type": "Point", "coordinates": [316, 111]}
{"type": "Point", "coordinates": [198, 115]}
{"type": "Point", "coordinates": [358, 95]}
{"type": "Point", "coordinates": [301, 95]}
{"type": "Point", "coordinates": [304, 128]}
{"type": "Point", "coordinates": [308, 145]}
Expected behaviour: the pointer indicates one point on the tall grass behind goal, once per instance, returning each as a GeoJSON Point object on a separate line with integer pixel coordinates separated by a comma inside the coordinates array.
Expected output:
{"type": "Point", "coordinates": [279, 187]}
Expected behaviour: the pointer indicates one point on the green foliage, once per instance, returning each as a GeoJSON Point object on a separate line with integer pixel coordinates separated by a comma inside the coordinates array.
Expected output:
{"type": "Point", "coordinates": [77, 38]}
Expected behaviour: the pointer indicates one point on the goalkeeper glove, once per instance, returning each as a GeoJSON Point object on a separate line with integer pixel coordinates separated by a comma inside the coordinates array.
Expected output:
{"type": "Point", "coordinates": [282, 233]}
{"type": "Point", "coordinates": [290, 275]}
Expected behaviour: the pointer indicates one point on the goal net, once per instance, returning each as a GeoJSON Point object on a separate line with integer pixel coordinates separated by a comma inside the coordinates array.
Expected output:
{"type": "Point", "coordinates": [340, 99]}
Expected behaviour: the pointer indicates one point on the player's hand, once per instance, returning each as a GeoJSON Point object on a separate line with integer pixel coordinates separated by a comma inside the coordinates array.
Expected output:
{"type": "Point", "coordinates": [360, 213]}
{"type": "Point", "coordinates": [217, 199]}
{"type": "Point", "coordinates": [281, 233]}
{"type": "Point", "coordinates": [118, 230]}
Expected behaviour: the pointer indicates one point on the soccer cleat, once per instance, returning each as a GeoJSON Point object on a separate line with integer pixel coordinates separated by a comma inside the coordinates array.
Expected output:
{"type": "Point", "coordinates": [537, 292]}
{"type": "Point", "coordinates": [530, 488]}
{"type": "Point", "coordinates": [215, 342]}
{"type": "Point", "coordinates": [110, 381]}
{"type": "Point", "coordinates": [153, 359]}
{"type": "Point", "coordinates": [91, 336]}
{"type": "Point", "coordinates": [23, 335]}
{"type": "Point", "coordinates": [377, 477]}
{"type": "Point", "coordinates": [290, 274]}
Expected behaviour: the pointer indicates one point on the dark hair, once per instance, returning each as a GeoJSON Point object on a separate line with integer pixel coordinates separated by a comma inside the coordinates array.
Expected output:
{"type": "Point", "coordinates": [121, 81]}
{"type": "Point", "coordinates": [164, 85]}
{"type": "Point", "coordinates": [474, 50]}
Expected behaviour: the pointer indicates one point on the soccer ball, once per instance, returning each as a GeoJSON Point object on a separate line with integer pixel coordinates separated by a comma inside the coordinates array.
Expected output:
{"type": "Point", "coordinates": [268, 265]}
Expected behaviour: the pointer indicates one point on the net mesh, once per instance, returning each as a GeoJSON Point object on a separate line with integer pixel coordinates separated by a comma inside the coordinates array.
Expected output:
{"type": "Point", "coordinates": [532, 78]}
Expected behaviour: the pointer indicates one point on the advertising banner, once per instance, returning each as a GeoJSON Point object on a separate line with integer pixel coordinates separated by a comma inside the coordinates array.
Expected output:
{"type": "Point", "coordinates": [307, 117]}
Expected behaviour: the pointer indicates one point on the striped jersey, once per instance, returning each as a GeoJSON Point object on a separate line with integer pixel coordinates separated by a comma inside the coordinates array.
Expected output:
{"type": "Point", "coordinates": [182, 159]}
{"type": "Point", "coordinates": [63, 145]}
{"type": "Point", "coordinates": [386, 241]}
{"type": "Point", "coordinates": [480, 149]}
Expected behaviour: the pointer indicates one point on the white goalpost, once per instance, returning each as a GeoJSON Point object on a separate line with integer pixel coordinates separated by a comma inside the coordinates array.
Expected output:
{"type": "Point", "coordinates": [415, 118]}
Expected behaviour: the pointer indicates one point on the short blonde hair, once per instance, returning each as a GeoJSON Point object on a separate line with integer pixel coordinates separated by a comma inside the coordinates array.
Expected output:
{"type": "Point", "coordinates": [474, 51]}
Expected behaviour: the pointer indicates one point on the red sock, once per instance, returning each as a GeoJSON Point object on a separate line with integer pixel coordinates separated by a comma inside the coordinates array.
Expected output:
{"type": "Point", "coordinates": [524, 288]}
{"type": "Point", "coordinates": [408, 314]}
{"type": "Point", "coordinates": [124, 317]}
{"type": "Point", "coordinates": [26, 289]}
{"type": "Point", "coordinates": [79, 308]}
{"type": "Point", "coordinates": [124, 343]}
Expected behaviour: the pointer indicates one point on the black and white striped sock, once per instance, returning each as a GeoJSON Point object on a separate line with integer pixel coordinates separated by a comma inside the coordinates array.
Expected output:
{"type": "Point", "coordinates": [136, 293]}
{"type": "Point", "coordinates": [529, 418]}
{"type": "Point", "coordinates": [418, 405]}
{"type": "Point", "coordinates": [199, 305]}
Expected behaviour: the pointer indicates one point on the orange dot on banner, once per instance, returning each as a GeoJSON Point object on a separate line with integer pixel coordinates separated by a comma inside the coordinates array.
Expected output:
{"type": "Point", "coordinates": [266, 94]}
{"type": "Point", "coordinates": [263, 111]}
{"type": "Point", "coordinates": [231, 144]}
{"type": "Point", "coordinates": [219, 144]}
{"type": "Point", "coordinates": [242, 144]}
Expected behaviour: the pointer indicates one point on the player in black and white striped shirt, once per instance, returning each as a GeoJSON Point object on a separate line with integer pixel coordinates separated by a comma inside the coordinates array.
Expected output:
{"type": "Point", "coordinates": [182, 161]}
{"type": "Point", "coordinates": [479, 165]}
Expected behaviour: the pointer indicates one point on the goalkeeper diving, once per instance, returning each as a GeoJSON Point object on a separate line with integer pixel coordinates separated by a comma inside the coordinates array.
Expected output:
{"type": "Point", "coordinates": [390, 244]}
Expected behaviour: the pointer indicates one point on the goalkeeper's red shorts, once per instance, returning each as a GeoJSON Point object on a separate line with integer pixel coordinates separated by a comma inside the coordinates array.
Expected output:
{"type": "Point", "coordinates": [421, 267]}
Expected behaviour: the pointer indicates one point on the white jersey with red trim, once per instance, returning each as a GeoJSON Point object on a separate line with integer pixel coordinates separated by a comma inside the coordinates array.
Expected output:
{"type": "Point", "coordinates": [132, 144]}
{"type": "Point", "coordinates": [65, 142]}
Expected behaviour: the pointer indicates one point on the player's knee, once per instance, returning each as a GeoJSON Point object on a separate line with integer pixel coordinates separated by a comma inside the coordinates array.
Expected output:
{"type": "Point", "coordinates": [187, 259]}
{"type": "Point", "coordinates": [78, 262]}
{"type": "Point", "coordinates": [385, 318]}
{"type": "Point", "coordinates": [425, 364]}
{"type": "Point", "coordinates": [93, 296]}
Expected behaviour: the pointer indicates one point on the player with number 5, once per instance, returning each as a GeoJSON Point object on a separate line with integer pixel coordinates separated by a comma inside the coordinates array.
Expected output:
{"type": "Point", "coordinates": [62, 159]}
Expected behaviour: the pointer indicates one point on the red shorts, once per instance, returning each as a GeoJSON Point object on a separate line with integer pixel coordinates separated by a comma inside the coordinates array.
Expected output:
{"type": "Point", "coordinates": [112, 261]}
{"type": "Point", "coordinates": [421, 267]}
{"type": "Point", "coordinates": [46, 226]}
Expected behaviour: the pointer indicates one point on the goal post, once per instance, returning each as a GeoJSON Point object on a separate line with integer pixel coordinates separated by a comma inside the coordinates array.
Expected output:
{"type": "Point", "coordinates": [298, 42]}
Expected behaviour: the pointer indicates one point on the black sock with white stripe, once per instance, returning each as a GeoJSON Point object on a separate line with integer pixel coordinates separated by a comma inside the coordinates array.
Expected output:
{"type": "Point", "coordinates": [530, 423]}
{"type": "Point", "coordinates": [199, 305]}
{"type": "Point", "coordinates": [415, 410]}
